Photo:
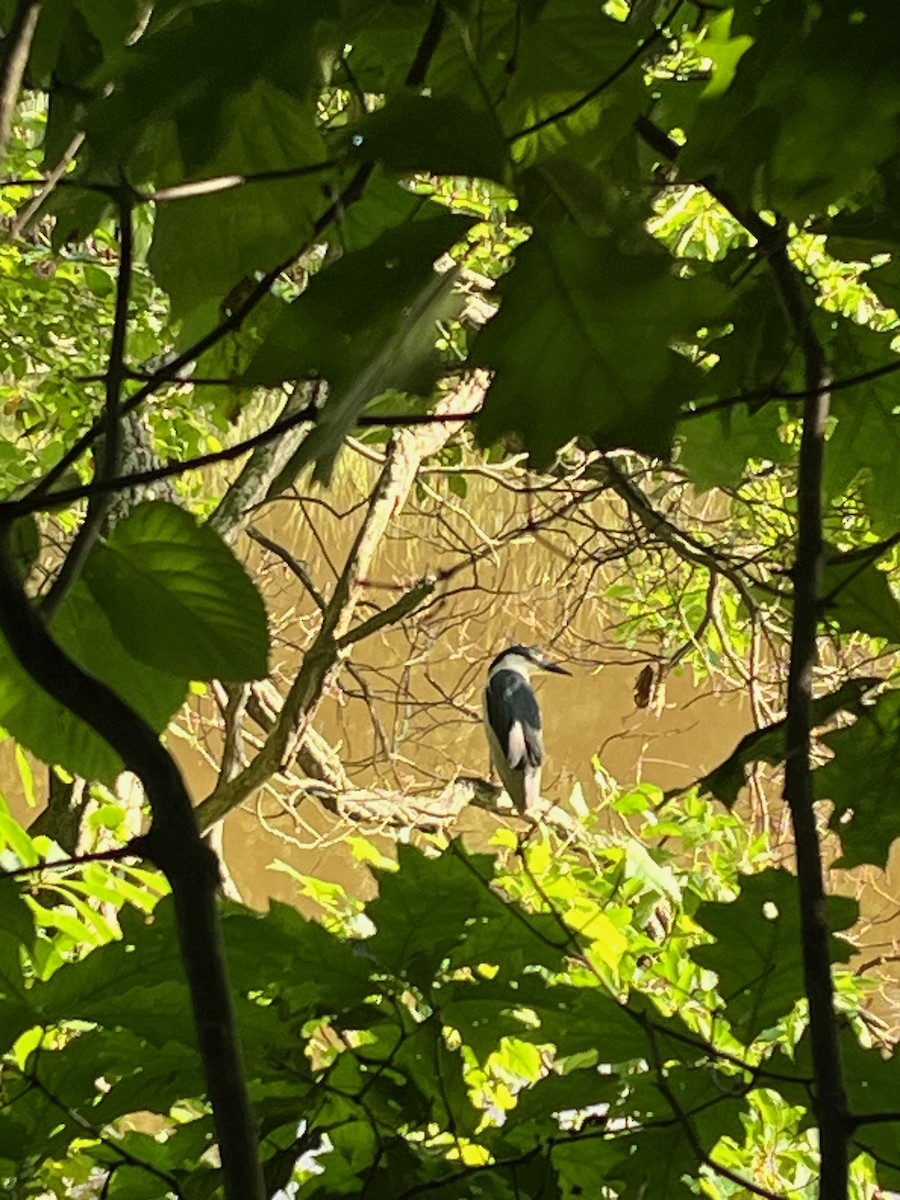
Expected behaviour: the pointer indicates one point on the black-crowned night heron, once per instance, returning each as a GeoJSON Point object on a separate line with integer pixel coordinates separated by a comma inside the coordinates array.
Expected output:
{"type": "Point", "coordinates": [513, 721]}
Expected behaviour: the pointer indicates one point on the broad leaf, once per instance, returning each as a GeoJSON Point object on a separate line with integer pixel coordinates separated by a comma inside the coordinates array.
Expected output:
{"type": "Point", "coordinates": [367, 325]}
{"type": "Point", "coordinates": [758, 948]}
{"type": "Point", "coordinates": [863, 783]}
{"type": "Point", "coordinates": [857, 596]}
{"type": "Point", "coordinates": [177, 598]}
{"type": "Point", "coordinates": [205, 245]}
{"type": "Point", "coordinates": [446, 136]}
{"type": "Point", "coordinates": [715, 448]}
{"type": "Point", "coordinates": [186, 73]}
{"type": "Point", "coordinates": [865, 446]}
{"type": "Point", "coordinates": [84, 630]}
{"type": "Point", "coordinates": [768, 744]}
{"type": "Point", "coordinates": [437, 909]}
{"type": "Point", "coordinates": [805, 70]}
{"type": "Point", "coordinates": [582, 345]}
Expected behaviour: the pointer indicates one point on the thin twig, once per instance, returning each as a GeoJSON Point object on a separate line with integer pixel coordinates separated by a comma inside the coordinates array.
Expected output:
{"type": "Point", "coordinates": [171, 370]}
{"type": "Point", "coordinates": [25, 215]}
{"type": "Point", "coordinates": [108, 467]}
{"type": "Point", "coordinates": [297, 568]}
{"type": "Point", "coordinates": [636, 55]}
{"type": "Point", "coordinates": [43, 502]}
{"type": "Point", "coordinates": [126, 1158]}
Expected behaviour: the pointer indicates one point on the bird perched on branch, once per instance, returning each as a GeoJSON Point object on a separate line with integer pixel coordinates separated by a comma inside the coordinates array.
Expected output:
{"type": "Point", "coordinates": [513, 721]}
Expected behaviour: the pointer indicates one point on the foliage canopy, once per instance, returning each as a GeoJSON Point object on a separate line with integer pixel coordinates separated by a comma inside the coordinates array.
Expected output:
{"type": "Point", "coordinates": [681, 224]}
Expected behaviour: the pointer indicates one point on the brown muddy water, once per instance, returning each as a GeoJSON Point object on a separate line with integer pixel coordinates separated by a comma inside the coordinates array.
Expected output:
{"type": "Point", "coordinates": [407, 719]}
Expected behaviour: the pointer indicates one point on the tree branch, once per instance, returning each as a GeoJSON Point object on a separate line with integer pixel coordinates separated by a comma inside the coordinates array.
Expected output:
{"type": "Point", "coordinates": [175, 846]}
{"type": "Point", "coordinates": [406, 452]}
{"type": "Point", "coordinates": [42, 501]}
{"type": "Point", "coordinates": [830, 1095]}
{"type": "Point", "coordinates": [269, 457]}
{"type": "Point", "coordinates": [108, 467]}
{"type": "Point", "coordinates": [15, 47]}
{"type": "Point", "coordinates": [685, 546]}
{"type": "Point", "coordinates": [171, 370]}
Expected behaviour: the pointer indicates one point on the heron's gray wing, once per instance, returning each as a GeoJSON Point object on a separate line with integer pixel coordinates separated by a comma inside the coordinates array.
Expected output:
{"type": "Point", "coordinates": [515, 718]}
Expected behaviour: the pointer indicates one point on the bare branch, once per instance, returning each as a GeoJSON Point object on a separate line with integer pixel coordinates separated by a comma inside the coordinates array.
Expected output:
{"type": "Point", "coordinates": [15, 48]}
{"type": "Point", "coordinates": [398, 475]}
{"type": "Point", "coordinates": [294, 565]}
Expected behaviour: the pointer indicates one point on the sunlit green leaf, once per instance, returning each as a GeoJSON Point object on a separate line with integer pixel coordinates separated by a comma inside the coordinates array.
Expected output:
{"type": "Point", "coordinates": [177, 597]}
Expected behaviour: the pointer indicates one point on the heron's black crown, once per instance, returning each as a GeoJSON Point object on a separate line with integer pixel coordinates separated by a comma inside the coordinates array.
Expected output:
{"type": "Point", "coordinates": [531, 654]}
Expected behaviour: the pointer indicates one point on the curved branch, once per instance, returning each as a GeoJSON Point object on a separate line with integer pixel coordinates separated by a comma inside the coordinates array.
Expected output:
{"type": "Point", "coordinates": [175, 846]}
{"type": "Point", "coordinates": [397, 479]}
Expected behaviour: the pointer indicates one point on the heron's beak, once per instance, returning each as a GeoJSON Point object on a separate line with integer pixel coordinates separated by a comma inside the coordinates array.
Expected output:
{"type": "Point", "coordinates": [555, 668]}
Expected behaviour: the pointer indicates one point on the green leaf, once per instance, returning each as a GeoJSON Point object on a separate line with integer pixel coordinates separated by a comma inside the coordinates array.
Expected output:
{"type": "Point", "coordinates": [367, 325]}
{"type": "Point", "coordinates": [100, 283]}
{"type": "Point", "coordinates": [807, 69]}
{"type": "Point", "coordinates": [24, 544]}
{"type": "Point", "coordinates": [768, 745]}
{"type": "Point", "coordinates": [177, 598]}
{"type": "Point", "coordinates": [83, 628]}
{"type": "Point", "coordinates": [724, 51]}
{"type": "Point", "coordinates": [577, 1089]}
{"type": "Point", "coordinates": [135, 984]}
{"type": "Point", "coordinates": [863, 783]}
{"type": "Point", "coordinates": [575, 1020]}
{"type": "Point", "coordinates": [204, 246]}
{"type": "Point", "coordinates": [188, 72]}
{"type": "Point", "coordinates": [872, 1077]}
{"type": "Point", "coordinates": [48, 729]}
{"type": "Point", "coordinates": [715, 448]}
{"type": "Point", "coordinates": [884, 280]}
{"type": "Point", "coordinates": [111, 21]}
{"type": "Point", "coordinates": [552, 61]}
{"type": "Point", "coordinates": [316, 972]}
{"type": "Point", "coordinates": [18, 925]}
{"type": "Point", "coordinates": [436, 909]}
{"type": "Point", "coordinates": [758, 948]}
{"type": "Point", "coordinates": [857, 596]}
{"type": "Point", "coordinates": [865, 445]}
{"type": "Point", "coordinates": [350, 307]}
{"type": "Point", "coordinates": [421, 133]}
{"type": "Point", "coordinates": [588, 328]}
